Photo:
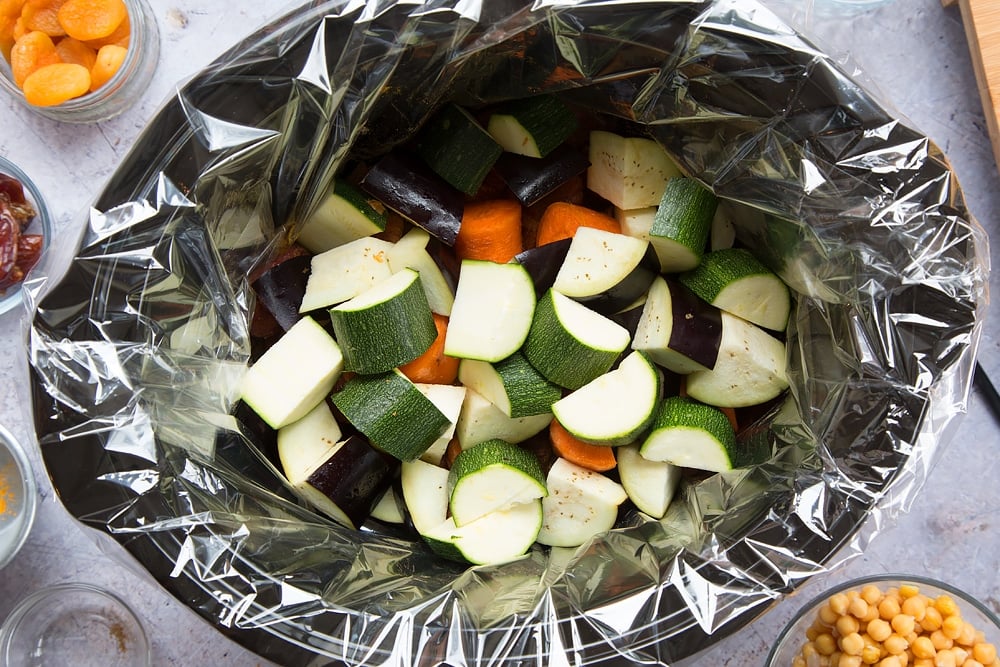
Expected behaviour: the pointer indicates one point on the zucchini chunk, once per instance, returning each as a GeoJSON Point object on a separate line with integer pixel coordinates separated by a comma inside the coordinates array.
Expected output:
{"type": "Point", "coordinates": [750, 368]}
{"type": "Point", "coordinates": [497, 537]}
{"type": "Point", "coordinates": [480, 420]}
{"type": "Point", "coordinates": [494, 304]}
{"type": "Point", "coordinates": [344, 215]}
{"type": "Point", "coordinates": [614, 408]}
{"type": "Point", "coordinates": [491, 476]}
{"type": "Point", "coordinates": [581, 505]}
{"type": "Point", "coordinates": [533, 126]}
{"type": "Point", "coordinates": [385, 326]}
{"type": "Point", "coordinates": [649, 484]}
{"type": "Point", "coordinates": [629, 172]}
{"type": "Point", "coordinates": [448, 399]}
{"type": "Point", "coordinates": [678, 330]}
{"type": "Point", "coordinates": [410, 252]}
{"type": "Point", "coordinates": [691, 435]}
{"type": "Point", "coordinates": [345, 272]}
{"type": "Point", "coordinates": [392, 413]}
{"type": "Point", "coordinates": [425, 494]}
{"type": "Point", "coordinates": [390, 508]}
{"type": "Point", "coordinates": [606, 271]}
{"type": "Point", "coordinates": [570, 344]}
{"type": "Point", "coordinates": [511, 384]}
{"type": "Point", "coordinates": [457, 149]}
{"type": "Point", "coordinates": [294, 375]}
{"type": "Point", "coordinates": [682, 224]}
{"type": "Point", "coordinates": [735, 281]}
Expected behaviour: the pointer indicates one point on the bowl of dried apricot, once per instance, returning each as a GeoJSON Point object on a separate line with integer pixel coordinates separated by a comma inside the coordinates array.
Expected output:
{"type": "Point", "coordinates": [77, 60]}
{"type": "Point", "coordinates": [890, 621]}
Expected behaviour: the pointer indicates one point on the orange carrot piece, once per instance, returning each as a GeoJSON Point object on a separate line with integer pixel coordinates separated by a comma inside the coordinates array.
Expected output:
{"type": "Point", "coordinates": [562, 219]}
{"type": "Point", "coordinates": [433, 366]}
{"type": "Point", "coordinates": [490, 230]}
{"type": "Point", "coordinates": [91, 19]}
{"type": "Point", "coordinates": [109, 59]}
{"type": "Point", "coordinates": [29, 53]}
{"type": "Point", "coordinates": [54, 84]}
{"type": "Point", "coordinates": [43, 15]}
{"type": "Point", "coordinates": [119, 37]}
{"type": "Point", "coordinates": [598, 458]}
{"type": "Point", "coordinates": [76, 52]}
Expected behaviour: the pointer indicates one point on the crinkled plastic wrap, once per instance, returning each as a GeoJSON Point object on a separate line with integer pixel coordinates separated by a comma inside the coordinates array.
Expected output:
{"type": "Point", "coordinates": [137, 351]}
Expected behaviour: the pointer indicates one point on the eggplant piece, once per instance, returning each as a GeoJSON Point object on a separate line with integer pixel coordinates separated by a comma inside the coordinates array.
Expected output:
{"type": "Point", "coordinates": [677, 329]}
{"type": "Point", "coordinates": [530, 179]}
{"type": "Point", "coordinates": [629, 316]}
{"type": "Point", "coordinates": [542, 263]}
{"type": "Point", "coordinates": [280, 289]}
{"type": "Point", "coordinates": [410, 188]}
{"type": "Point", "coordinates": [606, 272]}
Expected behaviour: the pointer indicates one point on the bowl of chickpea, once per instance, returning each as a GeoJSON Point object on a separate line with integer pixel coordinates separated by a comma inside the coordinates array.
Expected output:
{"type": "Point", "coordinates": [890, 621]}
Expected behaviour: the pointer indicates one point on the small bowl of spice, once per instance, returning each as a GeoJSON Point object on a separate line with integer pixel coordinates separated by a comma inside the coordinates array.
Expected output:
{"type": "Point", "coordinates": [25, 229]}
{"type": "Point", "coordinates": [17, 496]}
{"type": "Point", "coordinates": [73, 624]}
{"type": "Point", "coordinates": [890, 621]}
{"type": "Point", "coordinates": [77, 61]}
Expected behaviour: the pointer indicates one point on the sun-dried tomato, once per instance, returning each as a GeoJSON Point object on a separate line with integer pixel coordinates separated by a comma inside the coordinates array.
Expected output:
{"type": "Point", "coordinates": [12, 188]}
{"type": "Point", "coordinates": [10, 231]}
{"type": "Point", "coordinates": [29, 250]}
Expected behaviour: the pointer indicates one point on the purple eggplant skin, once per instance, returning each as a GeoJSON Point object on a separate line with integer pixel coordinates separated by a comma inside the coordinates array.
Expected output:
{"type": "Point", "coordinates": [628, 290]}
{"type": "Point", "coordinates": [696, 330]}
{"type": "Point", "coordinates": [355, 477]}
{"type": "Point", "coordinates": [531, 179]}
{"type": "Point", "coordinates": [543, 262]}
{"type": "Point", "coordinates": [629, 319]}
{"type": "Point", "coordinates": [409, 187]}
{"type": "Point", "coordinates": [280, 289]}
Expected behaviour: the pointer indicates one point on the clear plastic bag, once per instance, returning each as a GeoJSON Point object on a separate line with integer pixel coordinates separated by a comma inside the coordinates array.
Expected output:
{"type": "Point", "coordinates": [138, 348]}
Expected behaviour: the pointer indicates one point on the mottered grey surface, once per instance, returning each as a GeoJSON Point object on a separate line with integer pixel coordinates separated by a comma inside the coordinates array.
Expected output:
{"type": "Point", "coordinates": [912, 52]}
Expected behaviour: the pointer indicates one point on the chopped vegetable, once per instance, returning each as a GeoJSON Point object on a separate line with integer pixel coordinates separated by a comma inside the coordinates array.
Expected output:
{"type": "Point", "coordinates": [434, 366]}
{"type": "Point", "coordinates": [584, 454]}
{"type": "Point", "coordinates": [562, 219]}
{"type": "Point", "coordinates": [490, 230]}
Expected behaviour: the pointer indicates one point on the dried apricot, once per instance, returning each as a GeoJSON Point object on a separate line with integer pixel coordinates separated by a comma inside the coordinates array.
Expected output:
{"type": "Point", "coordinates": [43, 15]}
{"type": "Point", "coordinates": [11, 8]}
{"type": "Point", "coordinates": [54, 84]}
{"type": "Point", "coordinates": [119, 37]}
{"type": "Point", "coordinates": [20, 29]}
{"type": "Point", "coordinates": [74, 51]}
{"type": "Point", "coordinates": [6, 35]}
{"type": "Point", "coordinates": [31, 52]}
{"type": "Point", "coordinates": [109, 59]}
{"type": "Point", "coordinates": [91, 19]}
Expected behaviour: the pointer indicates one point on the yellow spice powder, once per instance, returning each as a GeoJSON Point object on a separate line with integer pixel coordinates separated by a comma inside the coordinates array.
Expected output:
{"type": "Point", "coordinates": [6, 493]}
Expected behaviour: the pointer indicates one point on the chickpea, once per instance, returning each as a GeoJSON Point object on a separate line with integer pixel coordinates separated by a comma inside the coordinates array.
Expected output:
{"type": "Point", "coordinates": [891, 661]}
{"type": "Point", "coordinates": [847, 625]}
{"type": "Point", "coordinates": [870, 654]}
{"type": "Point", "coordinates": [850, 661]}
{"type": "Point", "coordinates": [984, 653]}
{"type": "Point", "coordinates": [871, 594]}
{"type": "Point", "coordinates": [888, 608]}
{"type": "Point", "coordinates": [923, 648]}
{"type": "Point", "coordinates": [825, 644]}
{"type": "Point", "coordinates": [968, 635]}
{"type": "Point", "coordinates": [828, 616]}
{"type": "Point", "coordinates": [903, 624]}
{"type": "Point", "coordinates": [908, 591]}
{"type": "Point", "coordinates": [971, 662]}
{"type": "Point", "coordinates": [896, 645]}
{"type": "Point", "coordinates": [852, 644]}
{"type": "Point", "coordinates": [941, 641]}
{"type": "Point", "coordinates": [945, 605]}
{"type": "Point", "coordinates": [932, 620]}
{"type": "Point", "coordinates": [879, 630]}
{"type": "Point", "coordinates": [838, 603]}
{"type": "Point", "coordinates": [858, 608]}
{"type": "Point", "coordinates": [952, 626]}
{"type": "Point", "coordinates": [945, 659]}
{"type": "Point", "coordinates": [915, 606]}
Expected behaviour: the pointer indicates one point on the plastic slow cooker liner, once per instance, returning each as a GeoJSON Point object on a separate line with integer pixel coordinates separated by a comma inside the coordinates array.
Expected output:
{"type": "Point", "coordinates": [137, 351]}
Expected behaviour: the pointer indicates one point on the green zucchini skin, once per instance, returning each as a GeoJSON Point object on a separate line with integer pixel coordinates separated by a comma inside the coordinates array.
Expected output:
{"type": "Point", "coordinates": [527, 392]}
{"type": "Point", "coordinates": [692, 435]}
{"type": "Point", "coordinates": [457, 148]}
{"type": "Point", "coordinates": [344, 216]}
{"type": "Point", "coordinates": [684, 216]}
{"type": "Point", "coordinates": [495, 452]}
{"type": "Point", "coordinates": [368, 336]}
{"type": "Point", "coordinates": [544, 122]}
{"type": "Point", "coordinates": [392, 413]}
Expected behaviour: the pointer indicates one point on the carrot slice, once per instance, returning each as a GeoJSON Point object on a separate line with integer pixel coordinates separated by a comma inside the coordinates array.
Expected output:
{"type": "Point", "coordinates": [76, 52]}
{"type": "Point", "coordinates": [31, 52]}
{"type": "Point", "coordinates": [490, 230]}
{"type": "Point", "coordinates": [433, 366]}
{"type": "Point", "coordinates": [562, 219]}
{"type": "Point", "coordinates": [598, 458]}
{"type": "Point", "coordinates": [54, 84]}
{"type": "Point", "coordinates": [91, 19]}
{"type": "Point", "coordinates": [43, 15]}
{"type": "Point", "coordinates": [109, 59]}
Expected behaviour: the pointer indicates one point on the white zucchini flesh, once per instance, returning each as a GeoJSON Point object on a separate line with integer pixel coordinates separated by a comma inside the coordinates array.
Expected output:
{"type": "Point", "coordinates": [743, 298]}
{"type": "Point", "coordinates": [345, 272]}
{"type": "Point", "coordinates": [688, 448]}
{"type": "Point", "coordinates": [337, 221]}
{"type": "Point", "coordinates": [651, 485]}
{"type": "Point", "coordinates": [598, 261]}
{"type": "Point", "coordinates": [494, 305]}
{"type": "Point", "coordinates": [630, 172]}
{"type": "Point", "coordinates": [425, 492]}
{"type": "Point", "coordinates": [294, 375]}
{"type": "Point", "coordinates": [490, 490]}
{"type": "Point", "coordinates": [410, 252]}
{"type": "Point", "coordinates": [589, 327]}
{"type": "Point", "coordinates": [482, 378]}
{"type": "Point", "coordinates": [480, 421]}
{"type": "Point", "coordinates": [673, 256]}
{"type": "Point", "coordinates": [495, 538]}
{"type": "Point", "coordinates": [507, 131]}
{"type": "Point", "coordinates": [581, 504]}
{"type": "Point", "coordinates": [723, 231]}
{"type": "Point", "coordinates": [448, 399]}
{"type": "Point", "coordinates": [750, 368]}
{"type": "Point", "coordinates": [388, 508]}
{"type": "Point", "coordinates": [616, 406]}
{"type": "Point", "coordinates": [652, 334]}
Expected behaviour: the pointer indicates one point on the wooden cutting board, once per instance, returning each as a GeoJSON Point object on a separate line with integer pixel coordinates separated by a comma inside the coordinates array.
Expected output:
{"type": "Point", "coordinates": [981, 19]}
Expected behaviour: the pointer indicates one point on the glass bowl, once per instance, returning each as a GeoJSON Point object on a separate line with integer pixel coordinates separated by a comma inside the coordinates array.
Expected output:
{"type": "Point", "coordinates": [122, 90]}
{"type": "Point", "coordinates": [73, 624]}
{"type": "Point", "coordinates": [793, 637]}
{"type": "Point", "coordinates": [18, 495]}
{"type": "Point", "coordinates": [42, 224]}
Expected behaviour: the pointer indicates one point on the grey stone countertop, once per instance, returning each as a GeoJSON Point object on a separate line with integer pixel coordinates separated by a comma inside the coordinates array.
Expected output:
{"type": "Point", "coordinates": [912, 52]}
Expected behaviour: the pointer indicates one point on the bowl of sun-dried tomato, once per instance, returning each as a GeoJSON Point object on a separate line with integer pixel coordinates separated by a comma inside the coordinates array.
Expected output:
{"type": "Point", "coordinates": [24, 231]}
